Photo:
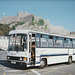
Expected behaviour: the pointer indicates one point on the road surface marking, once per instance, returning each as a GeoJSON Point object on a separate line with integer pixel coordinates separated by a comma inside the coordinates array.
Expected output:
{"type": "Point", "coordinates": [35, 72]}
{"type": "Point", "coordinates": [4, 70]}
{"type": "Point", "coordinates": [4, 73]}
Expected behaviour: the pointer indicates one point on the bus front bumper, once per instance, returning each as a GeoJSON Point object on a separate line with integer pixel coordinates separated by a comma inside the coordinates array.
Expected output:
{"type": "Point", "coordinates": [16, 62]}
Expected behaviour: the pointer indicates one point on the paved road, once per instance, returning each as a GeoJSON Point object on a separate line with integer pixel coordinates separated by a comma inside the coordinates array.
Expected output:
{"type": "Point", "coordinates": [58, 69]}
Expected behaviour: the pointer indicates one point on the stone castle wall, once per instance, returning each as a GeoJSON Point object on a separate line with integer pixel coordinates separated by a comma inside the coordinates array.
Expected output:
{"type": "Point", "coordinates": [22, 14]}
{"type": "Point", "coordinates": [10, 19]}
{"type": "Point", "coordinates": [26, 18]}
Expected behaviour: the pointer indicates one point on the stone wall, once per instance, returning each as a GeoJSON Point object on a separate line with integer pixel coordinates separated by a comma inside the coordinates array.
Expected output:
{"type": "Point", "coordinates": [9, 19]}
{"type": "Point", "coordinates": [26, 18]}
{"type": "Point", "coordinates": [19, 17]}
{"type": "Point", "coordinates": [22, 14]}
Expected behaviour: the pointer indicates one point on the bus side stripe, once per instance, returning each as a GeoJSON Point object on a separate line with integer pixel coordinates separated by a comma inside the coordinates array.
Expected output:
{"type": "Point", "coordinates": [55, 55]}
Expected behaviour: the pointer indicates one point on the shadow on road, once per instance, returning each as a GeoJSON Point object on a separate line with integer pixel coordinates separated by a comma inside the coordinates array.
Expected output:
{"type": "Point", "coordinates": [15, 66]}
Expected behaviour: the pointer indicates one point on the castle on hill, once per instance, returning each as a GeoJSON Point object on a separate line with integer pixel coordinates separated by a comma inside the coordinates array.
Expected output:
{"type": "Point", "coordinates": [26, 18]}
{"type": "Point", "coordinates": [20, 17]}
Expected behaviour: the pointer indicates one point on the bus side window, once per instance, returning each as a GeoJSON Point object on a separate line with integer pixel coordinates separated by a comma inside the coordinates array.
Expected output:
{"type": "Point", "coordinates": [37, 40]}
{"type": "Point", "coordinates": [50, 41]}
{"type": "Point", "coordinates": [55, 41]}
{"type": "Point", "coordinates": [67, 43]}
{"type": "Point", "coordinates": [70, 43]}
{"type": "Point", "coordinates": [44, 40]}
{"type": "Point", "coordinates": [60, 42]}
{"type": "Point", "coordinates": [73, 43]}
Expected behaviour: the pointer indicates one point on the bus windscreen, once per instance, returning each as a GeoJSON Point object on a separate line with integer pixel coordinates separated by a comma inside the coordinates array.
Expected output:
{"type": "Point", "coordinates": [17, 42]}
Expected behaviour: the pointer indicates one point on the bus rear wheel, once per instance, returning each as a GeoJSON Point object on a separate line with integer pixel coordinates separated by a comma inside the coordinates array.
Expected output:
{"type": "Point", "coordinates": [42, 63]}
{"type": "Point", "coordinates": [69, 60]}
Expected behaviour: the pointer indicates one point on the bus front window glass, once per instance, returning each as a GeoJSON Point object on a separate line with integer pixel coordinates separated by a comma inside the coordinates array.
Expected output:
{"type": "Point", "coordinates": [12, 42]}
{"type": "Point", "coordinates": [18, 42]}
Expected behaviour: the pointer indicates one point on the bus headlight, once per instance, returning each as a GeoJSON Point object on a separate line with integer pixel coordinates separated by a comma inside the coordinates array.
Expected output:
{"type": "Point", "coordinates": [24, 59]}
{"type": "Point", "coordinates": [21, 59]}
{"type": "Point", "coordinates": [8, 57]}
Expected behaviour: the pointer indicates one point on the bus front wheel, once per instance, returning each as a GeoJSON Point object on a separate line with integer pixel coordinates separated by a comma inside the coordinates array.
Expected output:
{"type": "Point", "coordinates": [42, 63]}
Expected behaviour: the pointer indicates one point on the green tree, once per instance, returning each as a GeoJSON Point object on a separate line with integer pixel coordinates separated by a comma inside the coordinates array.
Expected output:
{"type": "Point", "coordinates": [32, 18]}
{"type": "Point", "coordinates": [45, 27]}
{"type": "Point", "coordinates": [32, 22]}
{"type": "Point", "coordinates": [4, 29]}
{"type": "Point", "coordinates": [41, 22]}
{"type": "Point", "coordinates": [13, 28]}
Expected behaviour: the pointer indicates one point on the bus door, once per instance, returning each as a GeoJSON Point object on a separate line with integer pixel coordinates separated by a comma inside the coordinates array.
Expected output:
{"type": "Point", "coordinates": [32, 48]}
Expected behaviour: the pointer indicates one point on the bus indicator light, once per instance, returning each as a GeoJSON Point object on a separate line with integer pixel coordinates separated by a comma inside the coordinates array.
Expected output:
{"type": "Point", "coordinates": [24, 59]}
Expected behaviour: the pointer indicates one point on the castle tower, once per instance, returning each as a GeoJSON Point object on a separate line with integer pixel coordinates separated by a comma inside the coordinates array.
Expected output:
{"type": "Point", "coordinates": [22, 14]}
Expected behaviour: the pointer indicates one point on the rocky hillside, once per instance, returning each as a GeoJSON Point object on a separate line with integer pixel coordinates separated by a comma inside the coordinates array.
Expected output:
{"type": "Point", "coordinates": [32, 22]}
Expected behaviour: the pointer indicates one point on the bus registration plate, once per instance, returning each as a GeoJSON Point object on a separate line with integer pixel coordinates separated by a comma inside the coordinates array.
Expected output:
{"type": "Point", "coordinates": [12, 62]}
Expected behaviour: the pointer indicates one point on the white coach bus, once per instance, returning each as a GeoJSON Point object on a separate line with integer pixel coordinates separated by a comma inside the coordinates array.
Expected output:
{"type": "Point", "coordinates": [32, 48]}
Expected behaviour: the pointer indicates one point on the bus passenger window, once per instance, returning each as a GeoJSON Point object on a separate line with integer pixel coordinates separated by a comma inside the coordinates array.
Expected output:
{"type": "Point", "coordinates": [68, 43]}
{"type": "Point", "coordinates": [44, 40]}
{"type": "Point", "coordinates": [37, 40]}
{"type": "Point", "coordinates": [73, 43]}
{"type": "Point", "coordinates": [50, 41]}
{"type": "Point", "coordinates": [55, 41]}
{"type": "Point", "coordinates": [60, 42]}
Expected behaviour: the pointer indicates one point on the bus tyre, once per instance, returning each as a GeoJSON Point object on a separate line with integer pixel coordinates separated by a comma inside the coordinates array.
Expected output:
{"type": "Point", "coordinates": [42, 63]}
{"type": "Point", "coordinates": [69, 60]}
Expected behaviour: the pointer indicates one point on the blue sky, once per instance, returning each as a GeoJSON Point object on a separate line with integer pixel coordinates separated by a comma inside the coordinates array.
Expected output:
{"type": "Point", "coordinates": [58, 12]}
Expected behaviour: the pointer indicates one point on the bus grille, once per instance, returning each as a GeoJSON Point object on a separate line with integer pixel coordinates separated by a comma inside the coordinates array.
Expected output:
{"type": "Point", "coordinates": [14, 58]}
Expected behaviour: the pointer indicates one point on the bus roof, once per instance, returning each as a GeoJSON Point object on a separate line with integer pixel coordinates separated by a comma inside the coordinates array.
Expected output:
{"type": "Point", "coordinates": [19, 31]}
{"type": "Point", "coordinates": [27, 31]}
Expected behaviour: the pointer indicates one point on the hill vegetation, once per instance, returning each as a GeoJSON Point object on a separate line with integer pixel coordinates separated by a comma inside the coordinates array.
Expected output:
{"type": "Point", "coordinates": [4, 29]}
{"type": "Point", "coordinates": [39, 23]}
